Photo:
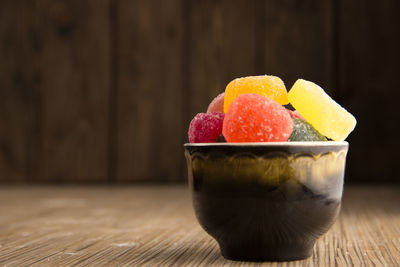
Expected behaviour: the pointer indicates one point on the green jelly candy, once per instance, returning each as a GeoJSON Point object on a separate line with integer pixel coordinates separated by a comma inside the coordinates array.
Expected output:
{"type": "Point", "coordinates": [303, 131]}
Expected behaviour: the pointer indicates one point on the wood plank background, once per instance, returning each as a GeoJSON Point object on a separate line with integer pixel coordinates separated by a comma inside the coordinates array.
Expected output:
{"type": "Point", "coordinates": [103, 91]}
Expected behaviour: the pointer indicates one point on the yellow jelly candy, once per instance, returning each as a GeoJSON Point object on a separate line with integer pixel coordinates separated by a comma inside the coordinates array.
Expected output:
{"type": "Point", "coordinates": [265, 85]}
{"type": "Point", "coordinates": [321, 111]}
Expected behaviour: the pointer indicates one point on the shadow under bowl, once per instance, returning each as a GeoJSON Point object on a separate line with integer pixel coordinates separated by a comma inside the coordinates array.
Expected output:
{"type": "Point", "coordinates": [266, 201]}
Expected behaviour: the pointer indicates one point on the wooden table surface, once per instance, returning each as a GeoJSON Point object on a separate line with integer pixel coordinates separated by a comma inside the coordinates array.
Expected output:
{"type": "Point", "coordinates": [155, 226]}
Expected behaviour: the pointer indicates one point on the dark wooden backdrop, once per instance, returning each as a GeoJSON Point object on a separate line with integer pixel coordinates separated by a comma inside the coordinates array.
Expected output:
{"type": "Point", "coordinates": [103, 90]}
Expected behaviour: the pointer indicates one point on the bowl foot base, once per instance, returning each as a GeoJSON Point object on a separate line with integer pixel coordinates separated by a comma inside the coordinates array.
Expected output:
{"type": "Point", "coordinates": [270, 253]}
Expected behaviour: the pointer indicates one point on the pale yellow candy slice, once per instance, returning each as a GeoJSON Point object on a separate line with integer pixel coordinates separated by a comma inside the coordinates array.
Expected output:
{"type": "Point", "coordinates": [321, 111]}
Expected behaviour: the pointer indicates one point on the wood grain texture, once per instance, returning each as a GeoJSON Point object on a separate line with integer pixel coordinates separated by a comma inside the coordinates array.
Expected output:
{"type": "Point", "coordinates": [221, 45]}
{"type": "Point", "coordinates": [54, 90]}
{"type": "Point", "coordinates": [155, 226]}
{"type": "Point", "coordinates": [149, 94]}
{"type": "Point", "coordinates": [368, 85]}
{"type": "Point", "coordinates": [19, 92]}
{"type": "Point", "coordinates": [72, 55]}
{"type": "Point", "coordinates": [91, 90]}
{"type": "Point", "coordinates": [298, 41]}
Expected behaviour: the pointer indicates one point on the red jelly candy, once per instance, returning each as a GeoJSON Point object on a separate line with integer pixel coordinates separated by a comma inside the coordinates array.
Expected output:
{"type": "Point", "coordinates": [295, 114]}
{"type": "Point", "coordinates": [206, 127]}
{"type": "Point", "coordinates": [256, 118]}
{"type": "Point", "coordinates": [217, 105]}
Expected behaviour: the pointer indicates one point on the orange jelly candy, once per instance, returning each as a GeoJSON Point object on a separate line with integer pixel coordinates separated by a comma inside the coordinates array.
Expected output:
{"type": "Point", "coordinates": [256, 118]}
{"type": "Point", "coordinates": [265, 85]}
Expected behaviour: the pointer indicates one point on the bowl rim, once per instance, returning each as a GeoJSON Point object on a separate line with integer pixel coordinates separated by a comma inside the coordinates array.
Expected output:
{"type": "Point", "coordinates": [272, 144]}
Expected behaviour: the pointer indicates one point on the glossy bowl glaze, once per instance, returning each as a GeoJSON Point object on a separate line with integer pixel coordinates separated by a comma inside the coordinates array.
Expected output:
{"type": "Point", "coordinates": [266, 201]}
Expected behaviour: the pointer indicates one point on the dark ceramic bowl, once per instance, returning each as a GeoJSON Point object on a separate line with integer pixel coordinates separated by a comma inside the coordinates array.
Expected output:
{"type": "Point", "coordinates": [266, 201]}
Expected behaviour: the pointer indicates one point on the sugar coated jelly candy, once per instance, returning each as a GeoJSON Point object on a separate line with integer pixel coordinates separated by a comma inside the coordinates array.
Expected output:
{"type": "Point", "coordinates": [206, 127]}
{"type": "Point", "coordinates": [265, 85]}
{"type": "Point", "coordinates": [295, 114]}
{"type": "Point", "coordinates": [217, 104]}
{"type": "Point", "coordinates": [321, 111]}
{"type": "Point", "coordinates": [256, 118]}
{"type": "Point", "coordinates": [303, 131]}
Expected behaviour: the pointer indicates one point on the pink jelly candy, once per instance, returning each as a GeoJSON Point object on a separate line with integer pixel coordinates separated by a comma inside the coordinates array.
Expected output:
{"type": "Point", "coordinates": [206, 127]}
{"type": "Point", "coordinates": [256, 118]}
{"type": "Point", "coordinates": [295, 114]}
{"type": "Point", "coordinates": [217, 105]}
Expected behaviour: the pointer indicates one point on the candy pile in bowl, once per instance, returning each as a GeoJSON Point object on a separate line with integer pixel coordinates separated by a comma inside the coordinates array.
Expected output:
{"type": "Point", "coordinates": [252, 110]}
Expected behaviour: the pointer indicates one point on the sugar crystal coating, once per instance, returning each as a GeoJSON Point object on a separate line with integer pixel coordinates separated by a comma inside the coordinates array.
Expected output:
{"type": "Point", "coordinates": [294, 114]}
{"type": "Point", "coordinates": [206, 127]}
{"type": "Point", "coordinates": [321, 111]}
{"type": "Point", "coordinates": [255, 118]}
{"type": "Point", "coordinates": [265, 85]}
{"type": "Point", "coordinates": [217, 104]}
{"type": "Point", "coordinates": [303, 131]}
